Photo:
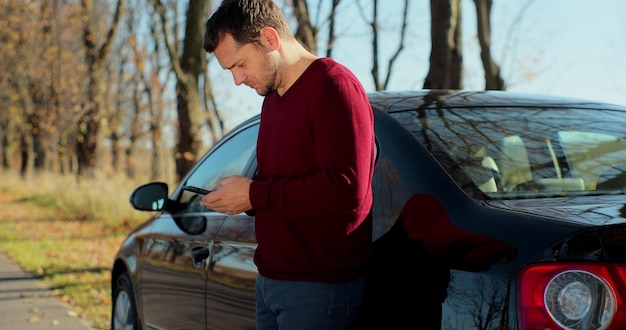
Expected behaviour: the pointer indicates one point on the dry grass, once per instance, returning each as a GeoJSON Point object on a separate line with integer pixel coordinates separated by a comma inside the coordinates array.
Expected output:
{"type": "Point", "coordinates": [67, 233]}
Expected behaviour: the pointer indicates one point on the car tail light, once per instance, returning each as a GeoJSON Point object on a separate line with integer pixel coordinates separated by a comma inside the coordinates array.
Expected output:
{"type": "Point", "coordinates": [575, 296]}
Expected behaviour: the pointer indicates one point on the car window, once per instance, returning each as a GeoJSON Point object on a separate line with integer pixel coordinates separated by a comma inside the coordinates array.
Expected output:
{"type": "Point", "coordinates": [508, 152]}
{"type": "Point", "coordinates": [232, 157]}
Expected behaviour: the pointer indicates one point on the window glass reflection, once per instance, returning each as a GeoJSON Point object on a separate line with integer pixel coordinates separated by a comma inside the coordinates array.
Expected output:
{"type": "Point", "coordinates": [230, 158]}
{"type": "Point", "coordinates": [513, 153]}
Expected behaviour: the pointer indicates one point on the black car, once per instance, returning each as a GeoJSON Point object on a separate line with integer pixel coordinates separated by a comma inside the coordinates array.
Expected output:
{"type": "Point", "coordinates": [492, 210]}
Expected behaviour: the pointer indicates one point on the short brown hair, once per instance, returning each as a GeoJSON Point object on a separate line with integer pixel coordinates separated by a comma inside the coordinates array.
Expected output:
{"type": "Point", "coordinates": [244, 19]}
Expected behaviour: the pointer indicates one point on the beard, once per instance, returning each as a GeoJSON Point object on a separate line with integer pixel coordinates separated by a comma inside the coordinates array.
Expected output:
{"type": "Point", "coordinates": [268, 76]}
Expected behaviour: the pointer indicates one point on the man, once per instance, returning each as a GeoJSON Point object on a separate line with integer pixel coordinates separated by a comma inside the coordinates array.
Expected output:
{"type": "Point", "coordinates": [312, 193]}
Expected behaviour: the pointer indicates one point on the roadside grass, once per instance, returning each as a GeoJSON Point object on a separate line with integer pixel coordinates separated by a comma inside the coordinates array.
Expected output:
{"type": "Point", "coordinates": [66, 232]}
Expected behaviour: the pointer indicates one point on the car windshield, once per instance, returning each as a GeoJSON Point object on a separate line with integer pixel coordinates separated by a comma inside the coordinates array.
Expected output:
{"type": "Point", "coordinates": [504, 153]}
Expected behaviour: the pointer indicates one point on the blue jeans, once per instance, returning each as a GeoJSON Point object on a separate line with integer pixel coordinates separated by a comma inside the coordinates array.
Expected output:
{"type": "Point", "coordinates": [300, 305]}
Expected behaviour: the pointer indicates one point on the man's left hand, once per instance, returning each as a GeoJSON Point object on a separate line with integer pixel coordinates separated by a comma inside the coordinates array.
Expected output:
{"type": "Point", "coordinates": [230, 196]}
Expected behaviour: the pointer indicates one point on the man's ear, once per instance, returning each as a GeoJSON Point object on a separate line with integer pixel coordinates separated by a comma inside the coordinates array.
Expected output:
{"type": "Point", "coordinates": [269, 38]}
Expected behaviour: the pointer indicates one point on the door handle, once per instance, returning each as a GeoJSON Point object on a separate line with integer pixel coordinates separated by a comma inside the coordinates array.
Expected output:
{"type": "Point", "coordinates": [199, 254]}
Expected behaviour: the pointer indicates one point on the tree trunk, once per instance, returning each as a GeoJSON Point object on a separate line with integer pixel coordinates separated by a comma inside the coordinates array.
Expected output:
{"type": "Point", "coordinates": [189, 106]}
{"type": "Point", "coordinates": [64, 155]}
{"type": "Point", "coordinates": [4, 146]}
{"type": "Point", "coordinates": [493, 79]}
{"type": "Point", "coordinates": [89, 121]}
{"type": "Point", "coordinates": [331, 28]}
{"type": "Point", "coordinates": [135, 132]}
{"type": "Point", "coordinates": [26, 147]}
{"type": "Point", "coordinates": [446, 57]}
{"type": "Point", "coordinates": [40, 140]}
{"type": "Point", "coordinates": [187, 69]}
{"type": "Point", "coordinates": [305, 33]}
{"type": "Point", "coordinates": [131, 164]}
{"type": "Point", "coordinates": [89, 126]}
{"type": "Point", "coordinates": [382, 85]}
{"type": "Point", "coordinates": [156, 170]}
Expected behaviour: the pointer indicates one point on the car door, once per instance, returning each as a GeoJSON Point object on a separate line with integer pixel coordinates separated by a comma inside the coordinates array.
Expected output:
{"type": "Point", "coordinates": [232, 275]}
{"type": "Point", "coordinates": [173, 272]}
{"type": "Point", "coordinates": [179, 250]}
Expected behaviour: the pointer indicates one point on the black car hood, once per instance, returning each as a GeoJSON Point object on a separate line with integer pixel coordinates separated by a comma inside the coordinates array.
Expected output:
{"type": "Point", "coordinates": [584, 210]}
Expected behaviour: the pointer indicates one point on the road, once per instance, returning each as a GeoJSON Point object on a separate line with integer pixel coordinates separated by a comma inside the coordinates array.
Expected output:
{"type": "Point", "coordinates": [27, 304]}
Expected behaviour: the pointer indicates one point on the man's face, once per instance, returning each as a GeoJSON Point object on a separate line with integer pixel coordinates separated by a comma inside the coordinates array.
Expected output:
{"type": "Point", "coordinates": [249, 64]}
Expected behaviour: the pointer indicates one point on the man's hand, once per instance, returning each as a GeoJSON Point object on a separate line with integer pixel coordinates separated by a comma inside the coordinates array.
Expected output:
{"type": "Point", "coordinates": [230, 196]}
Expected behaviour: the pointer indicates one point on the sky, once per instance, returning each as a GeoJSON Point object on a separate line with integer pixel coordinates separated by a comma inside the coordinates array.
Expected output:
{"type": "Point", "coordinates": [558, 47]}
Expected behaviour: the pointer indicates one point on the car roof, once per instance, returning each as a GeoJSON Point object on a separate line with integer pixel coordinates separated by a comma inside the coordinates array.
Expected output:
{"type": "Point", "coordinates": [398, 101]}
{"type": "Point", "coordinates": [411, 100]}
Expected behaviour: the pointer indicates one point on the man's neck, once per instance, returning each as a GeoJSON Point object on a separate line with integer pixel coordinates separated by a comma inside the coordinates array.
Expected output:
{"type": "Point", "coordinates": [296, 59]}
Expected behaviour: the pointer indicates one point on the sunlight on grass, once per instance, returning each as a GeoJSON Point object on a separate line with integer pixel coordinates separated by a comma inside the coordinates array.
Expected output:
{"type": "Point", "coordinates": [66, 232]}
{"type": "Point", "coordinates": [103, 198]}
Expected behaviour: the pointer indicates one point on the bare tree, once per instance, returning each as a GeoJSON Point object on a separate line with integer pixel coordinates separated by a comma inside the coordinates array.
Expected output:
{"type": "Point", "coordinates": [154, 91]}
{"type": "Point", "coordinates": [446, 57]}
{"type": "Point", "coordinates": [68, 77]}
{"type": "Point", "coordinates": [382, 85]}
{"type": "Point", "coordinates": [96, 53]}
{"type": "Point", "coordinates": [213, 118]}
{"type": "Point", "coordinates": [493, 79]}
{"type": "Point", "coordinates": [114, 95]}
{"type": "Point", "coordinates": [187, 67]}
{"type": "Point", "coordinates": [331, 28]}
{"type": "Point", "coordinates": [306, 33]}
{"type": "Point", "coordinates": [58, 119]}
{"type": "Point", "coordinates": [5, 121]}
{"type": "Point", "coordinates": [134, 130]}
{"type": "Point", "coordinates": [124, 89]}
{"type": "Point", "coordinates": [32, 54]}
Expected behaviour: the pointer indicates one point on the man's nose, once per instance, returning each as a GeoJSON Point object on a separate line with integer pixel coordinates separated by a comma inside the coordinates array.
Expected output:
{"type": "Point", "coordinates": [239, 78]}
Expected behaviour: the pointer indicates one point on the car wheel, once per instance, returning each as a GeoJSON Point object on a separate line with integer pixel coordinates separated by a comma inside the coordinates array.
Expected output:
{"type": "Point", "coordinates": [124, 311]}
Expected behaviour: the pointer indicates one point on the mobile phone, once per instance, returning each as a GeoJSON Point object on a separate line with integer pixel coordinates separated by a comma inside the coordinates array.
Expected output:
{"type": "Point", "coordinates": [196, 190]}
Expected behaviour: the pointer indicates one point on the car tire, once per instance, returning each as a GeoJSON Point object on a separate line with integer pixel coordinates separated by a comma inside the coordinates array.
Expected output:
{"type": "Point", "coordinates": [124, 309]}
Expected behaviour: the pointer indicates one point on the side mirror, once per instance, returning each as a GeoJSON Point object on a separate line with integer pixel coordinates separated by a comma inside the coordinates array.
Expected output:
{"type": "Point", "coordinates": [150, 197]}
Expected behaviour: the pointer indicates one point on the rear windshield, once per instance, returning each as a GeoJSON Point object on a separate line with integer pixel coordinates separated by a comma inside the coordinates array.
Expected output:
{"type": "Point", "coordinates": [507, 153]}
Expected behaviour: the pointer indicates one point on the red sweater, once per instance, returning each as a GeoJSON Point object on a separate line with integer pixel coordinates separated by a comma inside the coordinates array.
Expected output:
{"type": "Point", "coordinates": [312, 195]}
